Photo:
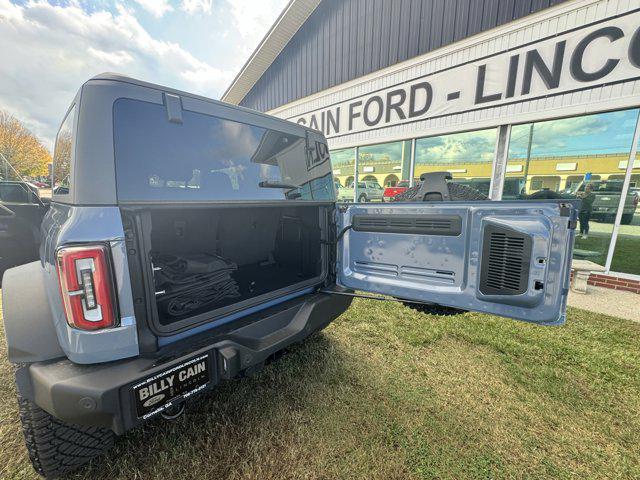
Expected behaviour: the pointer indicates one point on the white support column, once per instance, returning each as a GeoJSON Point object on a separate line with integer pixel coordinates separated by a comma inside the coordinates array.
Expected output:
{"type": "Point", "coordinates": [623, 196]}
{"type": "Point", "coordinates": [500, 156]}
{"type": "Point", "coordinates": [355, 172]}
{"type": "Point", "coordinates": [412, 164]}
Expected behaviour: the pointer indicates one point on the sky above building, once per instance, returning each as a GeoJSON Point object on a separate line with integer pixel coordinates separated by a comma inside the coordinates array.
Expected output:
{"type": "Point", "coordinates": [48, 49]}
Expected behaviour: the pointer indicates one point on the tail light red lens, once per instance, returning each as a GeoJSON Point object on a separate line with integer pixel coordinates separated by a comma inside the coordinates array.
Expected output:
{"type": "Point", "coordinates": [86, 286]}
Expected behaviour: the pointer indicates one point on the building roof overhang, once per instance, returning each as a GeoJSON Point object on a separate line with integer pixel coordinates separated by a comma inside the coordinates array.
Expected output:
{"type": "Point", "coordinates": [287, 24]}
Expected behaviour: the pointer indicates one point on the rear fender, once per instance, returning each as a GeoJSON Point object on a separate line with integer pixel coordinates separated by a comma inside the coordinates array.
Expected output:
{"type": "Point", "coordinates": [28, 322]}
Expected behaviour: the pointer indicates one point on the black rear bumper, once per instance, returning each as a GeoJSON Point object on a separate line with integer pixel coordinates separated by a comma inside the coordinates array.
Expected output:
{"type": "Point", "coordinates": [101, 395]}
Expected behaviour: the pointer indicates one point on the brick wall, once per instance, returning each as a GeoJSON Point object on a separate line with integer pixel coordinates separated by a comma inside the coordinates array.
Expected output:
{"type": "Point", "coordinates": [610, 281]}
{"type": "Point", "coordinates": [616, 283]}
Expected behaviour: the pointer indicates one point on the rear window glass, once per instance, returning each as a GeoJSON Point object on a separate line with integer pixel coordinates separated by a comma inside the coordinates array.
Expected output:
{"type": "Point", "coordinates": [605, 186]}
{"type": "Point", "coordinates": [209, 158]}
{"type": "Point", "coordinates": [16, 193]}
{"type": "Point", "coordinates": [61, 181]}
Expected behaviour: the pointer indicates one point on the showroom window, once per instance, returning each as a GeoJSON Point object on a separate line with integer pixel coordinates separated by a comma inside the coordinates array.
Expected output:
{"type": "Point", "coordinates": [467, 156]}
{"type": "Point", "coordinates": [547, 159]}
{"type": "Point", "coordinates": [581, 157]}
{"type": "Point", "coordinates": [380, 166]}
{"type": "Point", "coordinates": [343, 166]}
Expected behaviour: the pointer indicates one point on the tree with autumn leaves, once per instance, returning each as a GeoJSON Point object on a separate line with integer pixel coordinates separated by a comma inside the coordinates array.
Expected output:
{"type": "Point", "coordinates": [21, 148]}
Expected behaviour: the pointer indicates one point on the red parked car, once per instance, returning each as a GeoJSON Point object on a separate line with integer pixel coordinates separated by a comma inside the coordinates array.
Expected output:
{"type": "Point", "coordinates": [391, 192]}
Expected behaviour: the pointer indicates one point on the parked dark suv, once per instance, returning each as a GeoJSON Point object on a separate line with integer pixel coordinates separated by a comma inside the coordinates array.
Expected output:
{"type": "Point", "coordinates": [189, 241]}
{"type": "Point", "coordinates": [21, 213]}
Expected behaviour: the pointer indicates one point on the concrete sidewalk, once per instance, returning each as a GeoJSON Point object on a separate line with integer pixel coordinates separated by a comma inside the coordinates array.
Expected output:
{"type": "Point", "coordinates": [608, 301]}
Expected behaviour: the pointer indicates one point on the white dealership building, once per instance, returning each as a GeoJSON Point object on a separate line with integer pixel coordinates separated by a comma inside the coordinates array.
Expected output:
{"type": "Point", "coordinates": [509, 96]}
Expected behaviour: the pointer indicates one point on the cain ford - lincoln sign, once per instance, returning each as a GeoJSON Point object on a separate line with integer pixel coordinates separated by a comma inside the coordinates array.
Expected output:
{"type": "Point", "coordinates": [604, 53]}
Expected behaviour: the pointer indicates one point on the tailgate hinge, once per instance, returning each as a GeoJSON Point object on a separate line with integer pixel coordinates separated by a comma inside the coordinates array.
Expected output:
{"type": "Point", "coordinates": [370, 297]}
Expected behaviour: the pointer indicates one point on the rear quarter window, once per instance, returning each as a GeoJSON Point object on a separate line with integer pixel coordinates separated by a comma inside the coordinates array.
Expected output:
{"type": "Point", "coordinates": [209, 158]}
{"type": "Point", "coordinates": [61, 171]}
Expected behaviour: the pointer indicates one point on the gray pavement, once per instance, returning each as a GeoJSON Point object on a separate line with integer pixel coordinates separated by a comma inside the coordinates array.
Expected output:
{"type": "Point", "coordinates": [616, 303]}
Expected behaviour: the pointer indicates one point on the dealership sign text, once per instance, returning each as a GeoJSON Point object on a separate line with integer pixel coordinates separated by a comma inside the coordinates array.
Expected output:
{"type": "Point", "coordinates": [606, 53]}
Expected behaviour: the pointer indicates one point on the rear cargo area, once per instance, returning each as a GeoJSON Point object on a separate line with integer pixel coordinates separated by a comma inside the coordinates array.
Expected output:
{"type": "Point", "coordinates": [210, 261]}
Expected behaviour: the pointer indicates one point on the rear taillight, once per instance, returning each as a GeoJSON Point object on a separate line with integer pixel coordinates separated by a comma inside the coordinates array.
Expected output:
{"type": "Point", "coordinates": [86, 286]}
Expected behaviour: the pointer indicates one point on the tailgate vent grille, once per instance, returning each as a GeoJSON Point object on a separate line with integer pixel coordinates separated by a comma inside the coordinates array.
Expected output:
{"type": "Point", "coordinates": [506, 259]}
{"type": "Point", "coordinates": [434, 224]}
{"type": "Point", "coordinates": [447, 225]}
{"type": "Point", "coordinates": [366, 222]}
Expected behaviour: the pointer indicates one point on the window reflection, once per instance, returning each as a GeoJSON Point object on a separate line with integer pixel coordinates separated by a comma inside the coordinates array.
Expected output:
{"type": "Point", "coordinates": [581, 157]}
{"type": "Point", "coordinates": [467, 156]}
{"type": "Point", "coordinates": [383, 171]}
{"type": "Point", "coordinates": [551, 159]}
{"type": "Point", "coordinates": [380, 169]}
{"type": "Point", "coordinates": [343, 166]}
{"type": "Point", "coordinates": [209, 158]}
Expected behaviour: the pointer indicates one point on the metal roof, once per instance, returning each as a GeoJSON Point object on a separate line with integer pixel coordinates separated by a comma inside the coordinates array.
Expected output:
{"type": "Point", "coordinates": [285, 27]}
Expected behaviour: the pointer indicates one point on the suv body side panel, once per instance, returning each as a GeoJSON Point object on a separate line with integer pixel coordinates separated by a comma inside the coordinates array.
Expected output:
{"type": "Point", "coordinates": [66, 225]}
{"type": "Point", "coordinates": [28, 321]}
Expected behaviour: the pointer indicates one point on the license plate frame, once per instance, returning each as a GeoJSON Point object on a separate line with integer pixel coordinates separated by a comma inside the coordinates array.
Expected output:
{"type": "Point", "coordinates": [169, 387]}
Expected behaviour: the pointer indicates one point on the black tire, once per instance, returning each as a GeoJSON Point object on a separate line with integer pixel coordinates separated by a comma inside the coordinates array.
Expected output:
{"type": "Point", "coordinates": [457, 191]}
{"type": "Point", "coordinates": [362, 198]}
{"type": "Point", "coordinates": [434, 309]}
{"type": "Point", "coordinates": [57, 448]}
{"type": "Point", "coordinates": [626, 219]}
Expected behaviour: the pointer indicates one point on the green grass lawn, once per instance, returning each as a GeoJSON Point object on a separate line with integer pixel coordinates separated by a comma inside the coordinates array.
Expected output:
{"type": "Point", "coordinates": [626, 257]}
{"type": "Point", "coordinates": [389, 393]}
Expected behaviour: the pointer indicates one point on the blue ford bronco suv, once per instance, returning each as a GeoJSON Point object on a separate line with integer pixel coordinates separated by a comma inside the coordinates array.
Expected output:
{"type": "Point", "coordinates": [189, 241]}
